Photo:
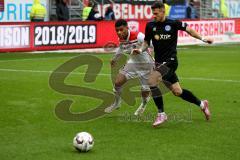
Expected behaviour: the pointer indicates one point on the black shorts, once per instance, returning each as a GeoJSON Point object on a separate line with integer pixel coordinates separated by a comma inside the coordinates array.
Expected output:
{"type": "Point", "coordinates": [168, 71]}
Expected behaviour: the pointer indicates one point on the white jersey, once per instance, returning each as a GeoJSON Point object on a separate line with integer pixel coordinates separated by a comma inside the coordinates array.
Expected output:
{"type": "Point", "coordinates": [139, 65]}
{"type": "Point", "coordinates": [133, 41]}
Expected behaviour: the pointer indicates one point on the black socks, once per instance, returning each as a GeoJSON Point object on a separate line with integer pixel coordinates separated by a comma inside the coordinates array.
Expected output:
{"type": "Point", "coordinates": [188, 96]}
{"type": "Point", "coordinates": [157, 97]}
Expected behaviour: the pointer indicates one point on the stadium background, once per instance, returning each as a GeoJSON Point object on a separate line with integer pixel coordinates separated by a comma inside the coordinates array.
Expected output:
{"type": "Point", "coordinates": [223, 24]}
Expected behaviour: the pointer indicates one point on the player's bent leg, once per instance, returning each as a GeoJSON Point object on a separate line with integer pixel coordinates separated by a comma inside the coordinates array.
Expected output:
{"type": "Point", "coordinates": [145, 98]}
{"type": "Point", "coordinates": [120, 80]}
{"type": "Point", "coordinates": [158, 100]}
{"type": "Point", "coordinates": [154, 78]}
{"type": "Point", "coordinates": [190, 97]}
{"type": "Point", "coordinates": [153, 82]}
{"type": "Point", "coordinates": [176, 89]}
{"type": "Point", "coordinates": [145, 93]}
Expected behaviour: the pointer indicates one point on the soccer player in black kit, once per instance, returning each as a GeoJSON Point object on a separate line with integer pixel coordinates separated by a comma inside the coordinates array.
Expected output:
{"type": "Point", "coordinates": [163, 33]}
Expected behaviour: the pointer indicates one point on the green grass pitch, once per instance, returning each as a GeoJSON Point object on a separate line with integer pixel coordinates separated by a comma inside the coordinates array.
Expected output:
{"type": "Point", "coordinates": [30, 130]}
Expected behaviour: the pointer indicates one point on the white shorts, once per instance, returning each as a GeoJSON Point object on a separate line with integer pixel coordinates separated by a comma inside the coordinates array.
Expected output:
{"type": "Point", "coordinates": [140, 71]}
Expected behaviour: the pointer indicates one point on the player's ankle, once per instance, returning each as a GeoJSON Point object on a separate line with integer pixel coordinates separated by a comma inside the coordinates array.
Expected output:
{"type": "Point", "coordinates": [201, 105]}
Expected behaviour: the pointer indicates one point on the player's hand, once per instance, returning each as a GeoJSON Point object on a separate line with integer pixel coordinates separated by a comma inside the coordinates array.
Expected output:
{"type": "Point", "coordinates": [113, 63]}
{"type": "Point", "coordinates": [136, 51]}
{"type": "Point", "coordinates": [208, 40]}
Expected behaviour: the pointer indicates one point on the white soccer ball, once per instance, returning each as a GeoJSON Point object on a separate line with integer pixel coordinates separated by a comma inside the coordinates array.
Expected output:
{"type": "Point", "coordinates": [83, 141]}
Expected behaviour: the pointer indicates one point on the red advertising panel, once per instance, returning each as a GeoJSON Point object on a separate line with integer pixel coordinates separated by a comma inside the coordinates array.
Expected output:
{"type": "Point", "coordinates": [220, 30]}
{"type": "Point", "coordinates": [16, 37]}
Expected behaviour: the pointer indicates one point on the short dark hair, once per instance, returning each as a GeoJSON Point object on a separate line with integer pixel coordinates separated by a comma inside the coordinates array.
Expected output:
{"type": "Point", "coordinates": [157, 5]}
{"type": "Point", "coordinates": [121, 22]}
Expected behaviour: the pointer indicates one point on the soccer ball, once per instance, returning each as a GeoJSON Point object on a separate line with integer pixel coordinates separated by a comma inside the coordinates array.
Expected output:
{"type": "Point", "coordinates": [83, 141]}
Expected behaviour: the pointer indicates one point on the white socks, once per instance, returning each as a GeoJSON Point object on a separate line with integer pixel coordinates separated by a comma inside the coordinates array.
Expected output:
{"type": "Point", "coordinates": [202, 105]}
{"type": "Point", "coordinates": [117, 92]}
{"type": "Point", "coordinates": [145, 100]}
{"type": "Point", "coordinates": [162, 113]}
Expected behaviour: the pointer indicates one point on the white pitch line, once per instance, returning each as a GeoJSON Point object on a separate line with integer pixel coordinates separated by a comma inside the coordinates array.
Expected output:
{"type": "Point", "coordinates": [39, 71]}
{"type": "Point", "coordinates": [210, 79]}
{"type": "Point", "coordinates": [104, 74]}
{"type": "Point", "coordinates": [31, 59]}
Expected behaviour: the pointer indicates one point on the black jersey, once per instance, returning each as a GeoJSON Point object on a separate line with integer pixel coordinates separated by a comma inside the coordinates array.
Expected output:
{"type": "Point", "coordinates": [164, 37]}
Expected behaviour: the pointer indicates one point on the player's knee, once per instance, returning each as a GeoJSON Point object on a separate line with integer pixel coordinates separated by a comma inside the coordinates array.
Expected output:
{"type": "Point", "coordinates": [154, 78]}
{"type": "Point", "coordinates": [177, 91]}
{"type": "Point", "coordinates": [152, 81]}
{"type": "Point", "coordinates": [145, 93]}
{"type": "Point", "coordinates": [117, 83]}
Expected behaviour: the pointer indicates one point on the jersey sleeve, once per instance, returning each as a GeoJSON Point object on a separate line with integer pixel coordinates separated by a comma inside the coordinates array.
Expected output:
{"type": "Point", "coordinates": [140, 37]}
{"type": "Point", "coordinates": [181, 25]}
{"type": "Point", "coordinates": [148, 33]}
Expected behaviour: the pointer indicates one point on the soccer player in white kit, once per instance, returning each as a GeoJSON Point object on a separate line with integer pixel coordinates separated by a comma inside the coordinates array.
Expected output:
{"type": "Point", "coordinates": [137, 66]}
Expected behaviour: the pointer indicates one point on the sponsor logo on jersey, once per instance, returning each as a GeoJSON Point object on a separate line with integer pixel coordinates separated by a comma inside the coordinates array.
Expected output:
{"type": "Point", "coordinates": [167, 28]}
{"type": "Point", "coordinates": [157, 37]}
{"type": "Point", "coordinates": [162, 36]}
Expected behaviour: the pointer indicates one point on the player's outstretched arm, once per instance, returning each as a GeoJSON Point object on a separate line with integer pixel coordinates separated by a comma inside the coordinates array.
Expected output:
{"type": "Point", "coordinates": [196, 35]}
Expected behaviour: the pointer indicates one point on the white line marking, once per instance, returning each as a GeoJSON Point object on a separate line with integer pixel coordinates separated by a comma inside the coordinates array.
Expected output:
{"type": "Point", "coordinates": [39, 71]}
{"type": "Point", "coordinates": [104, 74]}
{"type": "Point", "coordinates": [210, 79]}
{"type": "Point", "coordinates": [31, 59]}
